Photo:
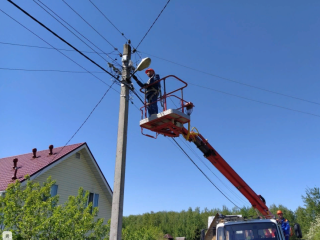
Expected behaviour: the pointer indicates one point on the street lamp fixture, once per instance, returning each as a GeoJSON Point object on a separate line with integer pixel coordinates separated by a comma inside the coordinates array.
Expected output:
{"type": "Point", "coordinates": [143, 65]}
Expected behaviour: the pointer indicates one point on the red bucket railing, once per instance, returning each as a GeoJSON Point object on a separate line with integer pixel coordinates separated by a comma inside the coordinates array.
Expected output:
{"type": "Point", "coordinates": [165, 95]}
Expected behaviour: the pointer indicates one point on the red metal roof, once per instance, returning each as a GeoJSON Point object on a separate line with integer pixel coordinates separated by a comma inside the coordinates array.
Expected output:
{"type": "Point", "coordinates": [29, 165]}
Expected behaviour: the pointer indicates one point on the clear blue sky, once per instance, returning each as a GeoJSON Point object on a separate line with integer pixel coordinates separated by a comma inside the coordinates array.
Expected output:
{"type": "Point", "coordinates": [267, 44]}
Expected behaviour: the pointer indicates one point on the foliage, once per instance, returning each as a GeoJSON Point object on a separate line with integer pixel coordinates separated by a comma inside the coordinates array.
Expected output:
{"type": "Point", "coordinates": [31, 213]}
{"type": "Point", "coordinates": [189, 223]}
{"type": "Point", "coordinates": [312, 207]}
{"type": "Point", "coordinates": [314, 230]}
{"type": "Point", "coordinates": [178, 224]}
{"type": "Point", "coordinates": [143, 233]}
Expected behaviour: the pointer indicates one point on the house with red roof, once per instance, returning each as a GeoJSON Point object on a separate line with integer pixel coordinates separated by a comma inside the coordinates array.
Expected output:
{"type": "Point", "coordinates": [72, 167]}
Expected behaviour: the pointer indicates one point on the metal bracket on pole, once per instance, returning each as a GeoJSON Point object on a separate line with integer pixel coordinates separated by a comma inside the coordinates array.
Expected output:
{"type": "Point", "coordinates": [126, 97]}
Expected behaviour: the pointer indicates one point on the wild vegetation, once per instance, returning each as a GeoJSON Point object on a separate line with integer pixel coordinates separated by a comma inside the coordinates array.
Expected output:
{"type": "Point", "coordinates": [31, 213]}
{"type": "Point", "coordinates": [189, 223]}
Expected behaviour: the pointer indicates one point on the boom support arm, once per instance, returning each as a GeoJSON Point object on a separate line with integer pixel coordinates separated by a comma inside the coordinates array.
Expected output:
{"type": "Point", "coordinates": [213, 156]}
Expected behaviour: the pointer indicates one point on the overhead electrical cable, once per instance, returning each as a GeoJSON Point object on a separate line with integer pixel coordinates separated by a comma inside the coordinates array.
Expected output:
{"type": "Point", "coordinates": [151, 25]}
{"type": "Point", "coordinates": [47, 70]}
{"type": "Point", "coordinates": [84, 121]}
{"type": "Point", "coordinates": [203, 173]}
{"type": "Point", "coordinates": [73, 29]}
{"type": "Point", "coordinates": [233, 193]}
{"type": "Point", "coordinates": [90, 72]}
{"type": "Point", "coordinates": [208, 88]}
{"type": "Point", "coordinates": [34, 46]}
{"type": "Point", "coordinates": [179, 147]}
{"type": "Point", "coordinates": [57, 49]}
{"type": "Point", "coordinates": [92, 27]}
{"type": "Point", "coordinates": [258, 101]}
{"type": "Point", "coordinates": [60, 39]}
{"type": "Point", "coordinates": [61, 49]}
{"type": "Point", "coordinates": [234, 81]}
{"type": "Point", "coordinates": [122, 34]}
{"type": "Point", "coordinates": [135, 93]}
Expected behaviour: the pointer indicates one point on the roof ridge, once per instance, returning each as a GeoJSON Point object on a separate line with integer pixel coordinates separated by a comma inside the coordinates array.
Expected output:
{"type": "Point", "coordinates": [45, 150]}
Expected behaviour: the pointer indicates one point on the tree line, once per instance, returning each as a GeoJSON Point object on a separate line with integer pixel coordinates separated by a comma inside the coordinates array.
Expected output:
{"type": "Point", "coordinates": [189, 223]}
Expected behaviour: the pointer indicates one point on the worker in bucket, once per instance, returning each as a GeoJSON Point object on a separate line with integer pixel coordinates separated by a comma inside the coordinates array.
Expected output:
{"type": "Point", "coordinates": [284, 224]}
{"type": "Point", "coordinates": [151, 90]}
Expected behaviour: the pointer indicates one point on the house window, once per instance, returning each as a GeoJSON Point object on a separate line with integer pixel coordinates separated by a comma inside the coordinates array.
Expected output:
{"type": "Point", "coordinates": [78, 155]}
{"type": "Point", "coordinates": [54, 190]}
{"type": "Point", "coordinates": [94, 199]}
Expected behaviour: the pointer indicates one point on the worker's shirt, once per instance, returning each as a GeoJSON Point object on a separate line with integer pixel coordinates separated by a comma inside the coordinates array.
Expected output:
{"type": "Point", "coordinates": [150, 90]}
{"type": "Point", "coordinates": [285, 227]}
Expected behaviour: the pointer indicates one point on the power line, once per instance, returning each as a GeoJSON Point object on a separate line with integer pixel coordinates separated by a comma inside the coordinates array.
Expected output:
{"type": "Point", "coordinates": [72, 28]}
{"type": "Point", "coordinates": [34, 46]}
{"type": "Point", "coordinates": [208, 88]}
{"type": "Point", "coordinates": [61, 49]}
{"type": "Point", "coordinates": [84, 121]}
{"type": "Point", "coordinates": [46, 70]}
{"type": "Point", "coordinates": [60, 39]}
{"type": "Point", "coordinates": [236, 195]}
{"type": "Point", "coordinates": [135, 93]}
{"type": "Point", "coordinates": [91, 27]}
{"type": "Point", "coordinates": [151, 25]}
{"type": "Point", "coordinates": [200, 169]}
{"type": "Point", "coordinates": [270, 104]}
{"type": "Point", "coordinates": [56, 49]}
{"type": "Point", "coordinates": [234, 81]}
{"type": "Point", "coordinates": [122, 34]}
{"type": "Point", "coordinates": [62, 71]}
{"type": "Point", "coordinates": [203, 173]}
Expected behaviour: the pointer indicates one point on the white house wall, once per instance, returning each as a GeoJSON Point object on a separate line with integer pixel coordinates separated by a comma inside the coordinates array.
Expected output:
{"type": "Point", "coordinates": [73, 173]}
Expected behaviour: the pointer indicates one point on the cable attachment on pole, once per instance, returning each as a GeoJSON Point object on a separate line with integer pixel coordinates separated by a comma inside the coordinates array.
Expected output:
{"type": "Point", "coordinates": [116, 70]}
{"type": "Point", "coordinates": [131, 98]}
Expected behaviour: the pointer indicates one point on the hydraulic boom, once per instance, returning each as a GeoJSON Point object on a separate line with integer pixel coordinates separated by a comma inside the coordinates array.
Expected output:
{"type": "Point", "coordinates": [170, 123]}
{"type": "Point", "coordinates": [213, 156]}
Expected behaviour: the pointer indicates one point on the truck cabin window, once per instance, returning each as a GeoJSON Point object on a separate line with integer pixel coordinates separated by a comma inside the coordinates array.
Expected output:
{"type": "Point", "coordinates": [248, 231]}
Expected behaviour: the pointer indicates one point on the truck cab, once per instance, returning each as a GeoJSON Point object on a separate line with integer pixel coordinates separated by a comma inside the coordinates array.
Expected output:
{"type": "Point", "coordinates": [249, 230]}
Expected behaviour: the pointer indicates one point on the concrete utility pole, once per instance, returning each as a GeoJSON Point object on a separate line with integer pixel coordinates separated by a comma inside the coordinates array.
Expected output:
{"type": "Point", "coordinates": [119, 175]}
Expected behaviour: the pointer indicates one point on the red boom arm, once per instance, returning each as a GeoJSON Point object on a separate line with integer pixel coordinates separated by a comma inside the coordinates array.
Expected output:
{"type": "Point", "coordinates": [213, 156]}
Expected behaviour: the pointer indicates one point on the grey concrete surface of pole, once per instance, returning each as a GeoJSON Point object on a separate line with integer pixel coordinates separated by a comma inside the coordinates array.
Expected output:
{"type": "Point", "coordinates": [119, 175]}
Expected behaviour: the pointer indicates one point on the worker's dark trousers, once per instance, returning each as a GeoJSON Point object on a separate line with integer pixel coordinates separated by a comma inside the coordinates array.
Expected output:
{"type": "Point", "coordinates": [153, 107]}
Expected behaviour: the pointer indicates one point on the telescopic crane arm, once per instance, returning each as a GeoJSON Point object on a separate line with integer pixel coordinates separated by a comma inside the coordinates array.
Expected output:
{"type": "Point", "coordinates": [213, 156]}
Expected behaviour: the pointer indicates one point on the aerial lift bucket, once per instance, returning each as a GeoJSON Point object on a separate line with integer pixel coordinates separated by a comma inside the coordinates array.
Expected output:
{"type": "Point", "coordinates": [169, 122]}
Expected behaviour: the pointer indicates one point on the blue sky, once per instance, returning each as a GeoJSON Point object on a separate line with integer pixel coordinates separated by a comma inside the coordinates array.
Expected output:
{"type": "Point", "coordinates": [268, 45]}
